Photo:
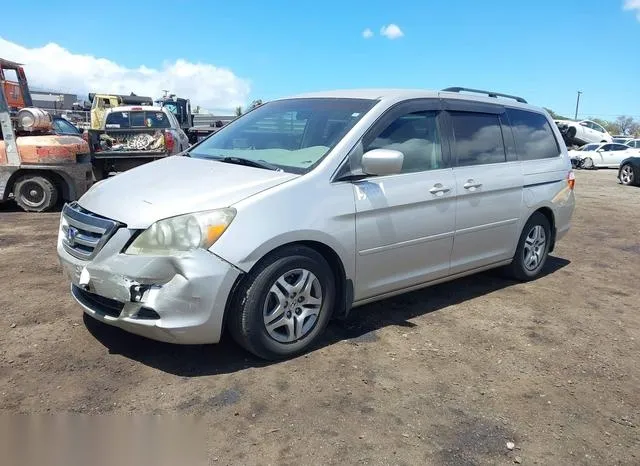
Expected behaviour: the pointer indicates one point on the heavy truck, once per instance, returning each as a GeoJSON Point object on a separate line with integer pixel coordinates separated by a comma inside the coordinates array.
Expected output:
{"type": "Point", "coordinates": [38, 167]}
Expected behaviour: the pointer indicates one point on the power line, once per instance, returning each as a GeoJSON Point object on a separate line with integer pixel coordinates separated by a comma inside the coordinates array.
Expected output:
{"type": "Point", "coordinates": [609, 115]}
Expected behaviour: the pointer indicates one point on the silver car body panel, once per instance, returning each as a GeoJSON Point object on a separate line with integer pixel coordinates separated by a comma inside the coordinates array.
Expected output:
{"type": "Point", "coordinates": [188, 292]}
{"type": "Point", "coordinates": [390, 233]}
{"type": "Point", "coordinates": [174, 186]}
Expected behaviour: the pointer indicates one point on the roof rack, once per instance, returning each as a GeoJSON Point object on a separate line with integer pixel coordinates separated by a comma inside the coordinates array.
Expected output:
{"type": "Point", "coordinates": [489, 93]}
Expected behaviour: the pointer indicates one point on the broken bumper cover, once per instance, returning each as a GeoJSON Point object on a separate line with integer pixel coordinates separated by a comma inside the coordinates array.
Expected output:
{"type": "Point", "coordinates": [176, 299]}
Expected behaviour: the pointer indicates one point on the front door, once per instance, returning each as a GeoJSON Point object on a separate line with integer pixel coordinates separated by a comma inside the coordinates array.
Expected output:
{"type": "Point", "coordinates": [489, 189]}
{"type": "Point", "coordinates": [405, 222]}
{"type": "Point", "coordinates": [610, 155]}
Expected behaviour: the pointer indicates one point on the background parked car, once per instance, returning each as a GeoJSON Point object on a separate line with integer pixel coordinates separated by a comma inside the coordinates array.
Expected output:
{"type": "Point", "coordinates": [622, 139]}
{"type": "Point", "coordinates": [634, 143]}
{"type": "Point", "coordinates": [629, 173]}
{"type": "Point", "coordinates": [134, 135]}
{"type": "Point", "coordinates": [582, 132]}
{"type": "Point", "coordinates": [64, 127]}
{"type": "Point", "coordinates": [601, 155]}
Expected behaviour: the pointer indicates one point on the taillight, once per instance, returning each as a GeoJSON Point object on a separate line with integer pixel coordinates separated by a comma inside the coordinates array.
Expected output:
{"type": "Point", "coordinates": [169, 142]}
{"type": "Point", "coordinates": [571, 179]}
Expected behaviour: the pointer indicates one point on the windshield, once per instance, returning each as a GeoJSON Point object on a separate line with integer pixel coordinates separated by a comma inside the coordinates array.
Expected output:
{"type": "Point", "coordinates": [620, 140]}
{"type": "Point", "coordinates": [137, 119]}
{"type": "Point", "coordinates": [294, 135]}
{"type": "Point", "coordinates": [589, 147]}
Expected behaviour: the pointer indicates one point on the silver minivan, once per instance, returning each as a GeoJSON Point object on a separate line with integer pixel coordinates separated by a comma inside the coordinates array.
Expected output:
{"type": "Point", "coordinates": [306, 207]}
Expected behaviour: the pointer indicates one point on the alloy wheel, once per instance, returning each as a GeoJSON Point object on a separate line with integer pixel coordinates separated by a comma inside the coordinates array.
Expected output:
{"type": "Point", "coordinates": [626, 174]}
{"type": "Point", "coordinates": [534, 247]}
{"type": "Point", "coordinates": [292, 306]}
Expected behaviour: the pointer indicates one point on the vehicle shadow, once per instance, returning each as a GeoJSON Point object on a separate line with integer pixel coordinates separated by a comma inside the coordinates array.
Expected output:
{"type": "Point", "coordinates": [360, 327]}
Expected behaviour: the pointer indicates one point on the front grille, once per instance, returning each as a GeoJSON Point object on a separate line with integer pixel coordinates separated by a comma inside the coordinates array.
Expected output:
{"type": "Point", "coordinates": [85, 233]}
{"type": "Point", "coordinates": [98, 304]}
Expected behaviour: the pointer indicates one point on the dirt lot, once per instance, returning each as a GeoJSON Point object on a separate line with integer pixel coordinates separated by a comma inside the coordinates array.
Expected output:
{"type": "Point", "coordinates": [447, 375]}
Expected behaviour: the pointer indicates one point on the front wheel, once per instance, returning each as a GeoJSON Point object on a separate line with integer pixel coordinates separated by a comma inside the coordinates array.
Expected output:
{"type": "Point", "coordinates": [284, 305]}
{"type": "Point", "coordinates": [627, 175]}
{"type": "Point", "coordinates": [587, 163]}
{"type": "Point", "coordinates": [35, 193]}
{"type": "Point", "coordinates": [533, 249]}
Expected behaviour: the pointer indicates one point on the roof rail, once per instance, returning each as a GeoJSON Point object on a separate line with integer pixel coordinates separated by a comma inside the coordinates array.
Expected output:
{"type": "Point", "coordinates": [489, 93]}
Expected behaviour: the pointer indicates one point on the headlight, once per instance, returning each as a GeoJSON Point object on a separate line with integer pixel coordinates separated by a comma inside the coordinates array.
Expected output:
{"type": "Point", "coordinates": [182, 233]}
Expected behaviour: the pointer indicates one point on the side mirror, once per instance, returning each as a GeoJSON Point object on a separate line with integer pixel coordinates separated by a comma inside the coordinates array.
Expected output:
{"type": "Point", "coordinates": [382, 162]}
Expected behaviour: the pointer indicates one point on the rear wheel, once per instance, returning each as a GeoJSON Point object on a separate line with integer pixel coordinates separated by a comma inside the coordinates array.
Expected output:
{"type": "Point", "coordinates": [284, 305]}
{"type": "Point", "coordinates": [35, 193]}
{"type": "Point", "coordinates": [533, 249]}
{"type": "Point", "coordinates": [627, 175]}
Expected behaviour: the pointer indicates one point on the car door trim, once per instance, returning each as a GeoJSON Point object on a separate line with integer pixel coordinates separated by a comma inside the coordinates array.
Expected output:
{"type": "Point", "coordinates": [487, 226]}
{"type": "Point", "coordinates": [419, 286]}
{"type": "Point", "coordinates": [533, 185]}
{"type": "Point", "coordinates": [411, 242]}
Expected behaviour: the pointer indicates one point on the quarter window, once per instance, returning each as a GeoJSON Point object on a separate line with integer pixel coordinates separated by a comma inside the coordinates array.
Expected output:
{"type": "Point", "coordinates": [416, 136]}
{"type": "Point", "coordinates": [534, 137]}
{"type": "Point", "coordinates": [478, 138]}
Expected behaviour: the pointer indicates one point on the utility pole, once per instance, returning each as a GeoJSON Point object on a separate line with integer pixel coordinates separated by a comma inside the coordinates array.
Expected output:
{"type": "Point", "coordinates": [577, 105]}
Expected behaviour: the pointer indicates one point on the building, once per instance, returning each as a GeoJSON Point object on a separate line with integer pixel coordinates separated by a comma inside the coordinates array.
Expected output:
{"type": "Point", "coordinates": [53, 100]}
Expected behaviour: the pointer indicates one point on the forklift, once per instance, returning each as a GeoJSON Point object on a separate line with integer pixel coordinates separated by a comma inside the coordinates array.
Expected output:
{"type": "Point", "coordinates": [38, 168]}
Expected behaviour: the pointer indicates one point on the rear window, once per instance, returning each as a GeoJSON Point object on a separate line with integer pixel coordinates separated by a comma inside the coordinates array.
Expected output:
{"type": "Point", "coordinates": [137, 119]}
{"type": "Point", "coordinates": [534, 137]}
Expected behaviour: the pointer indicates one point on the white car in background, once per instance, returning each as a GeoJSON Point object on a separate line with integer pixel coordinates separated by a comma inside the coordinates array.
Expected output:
{"type": "Point", "coordinates": [607, 155]}
{"type": "Point", "coordinates": [583, 132]}
{"type": "Point", "coordinates": [634, 143]}
{"type": "Point", "coordinates": [622, 139]}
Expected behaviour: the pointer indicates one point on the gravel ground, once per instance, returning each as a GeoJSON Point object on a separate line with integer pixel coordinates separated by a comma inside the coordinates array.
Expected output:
{"type": "Point", "coordinates": [454, 374]}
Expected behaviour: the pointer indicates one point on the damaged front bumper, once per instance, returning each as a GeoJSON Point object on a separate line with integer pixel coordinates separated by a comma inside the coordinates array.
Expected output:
{"type": "Point", "coordinates": [176, 299]}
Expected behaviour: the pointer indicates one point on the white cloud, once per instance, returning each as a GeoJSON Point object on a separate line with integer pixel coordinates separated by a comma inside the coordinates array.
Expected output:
{"type": "Point", "coordinates": [52, 67]}
{"type": "Point", "coordinates": [391, 31]}
{"type": "Point", "coordinates": [367, 33]}
{"type": "Point", "coordinates": [633, 5]}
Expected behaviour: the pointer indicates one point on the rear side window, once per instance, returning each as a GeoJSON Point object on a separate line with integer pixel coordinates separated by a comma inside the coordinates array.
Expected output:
{"type": "Point", "coordinates": [534, 137]}
{"type": "Point", "coordinates": [137, 119]}
{"type": "Point", "coordinates": [478, 138]}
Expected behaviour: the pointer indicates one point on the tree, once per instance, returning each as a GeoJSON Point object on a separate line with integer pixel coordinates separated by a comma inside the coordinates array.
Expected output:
{"type": "Point", "coordinates": [555, 116]}
{"type": "Point", "coordinates": [626, 125]}
{"type": "Point", "coordinates": [609, 126]}
{"type": "Point", "coordinates": [238, 111]}
{"type": "Point", "coordinates": [255, 103]}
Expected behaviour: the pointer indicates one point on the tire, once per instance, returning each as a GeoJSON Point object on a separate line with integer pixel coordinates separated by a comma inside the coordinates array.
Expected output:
{"type": "Point", "coordinates": [252, 323]}
{"type": "Point", "coordinates": [587, 163]}
{"type": "Point", "coordinates": [571, 133]}
{"type": "Point", "coordinates": [521, 268]}
{"type": "Point", "coordinates": [35, 193]}
{"type": "Point", "coordinates": [628, 175]}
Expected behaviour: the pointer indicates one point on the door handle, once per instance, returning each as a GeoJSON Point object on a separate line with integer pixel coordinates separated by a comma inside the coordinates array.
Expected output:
{"type": "Point", "coordinates": [439, 190]}
{"type": "Point", "coordinates": [470, 184]}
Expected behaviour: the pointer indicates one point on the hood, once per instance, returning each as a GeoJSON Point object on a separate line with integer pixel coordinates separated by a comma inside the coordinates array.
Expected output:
{"type": "Point", "coordinates": [174, 186]}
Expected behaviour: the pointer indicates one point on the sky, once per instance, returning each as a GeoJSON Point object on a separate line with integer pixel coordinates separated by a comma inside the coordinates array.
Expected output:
{"type": "Point", "coordinates": [224, 54]}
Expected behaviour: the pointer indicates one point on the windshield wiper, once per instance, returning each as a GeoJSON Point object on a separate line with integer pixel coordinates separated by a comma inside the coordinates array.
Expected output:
{"type": "Point", "coordinates": [249, 163]}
